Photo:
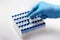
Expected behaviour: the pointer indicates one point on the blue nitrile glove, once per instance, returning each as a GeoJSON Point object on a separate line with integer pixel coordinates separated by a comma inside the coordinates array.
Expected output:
{"type": "Point", "coordinates": [45, 10]}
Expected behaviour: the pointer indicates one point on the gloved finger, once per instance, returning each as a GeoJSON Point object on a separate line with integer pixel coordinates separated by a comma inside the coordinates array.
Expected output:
{"type": "Point", "coordinates": [43, 16]}
{"type": "Point", "coordinates": [33, 9]}
{"type": "Point", "coordinates": [37, 12]}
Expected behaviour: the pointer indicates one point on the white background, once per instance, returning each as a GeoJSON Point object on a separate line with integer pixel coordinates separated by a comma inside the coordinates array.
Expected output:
{"type": "Point", "coordinates": [10, 7]}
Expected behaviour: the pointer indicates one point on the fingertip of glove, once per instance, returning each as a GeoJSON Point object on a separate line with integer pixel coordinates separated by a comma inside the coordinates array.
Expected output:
{"type": "Point", "coordinates": [43, 17]}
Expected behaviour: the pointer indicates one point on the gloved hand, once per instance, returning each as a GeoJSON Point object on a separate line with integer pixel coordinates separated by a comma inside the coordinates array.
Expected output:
{"type": "Point", "coordinates": [45, 10]}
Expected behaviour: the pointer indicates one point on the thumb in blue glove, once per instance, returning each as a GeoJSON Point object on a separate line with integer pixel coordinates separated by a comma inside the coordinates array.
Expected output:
{"type": "Point", "coordinates": [45, 10]}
